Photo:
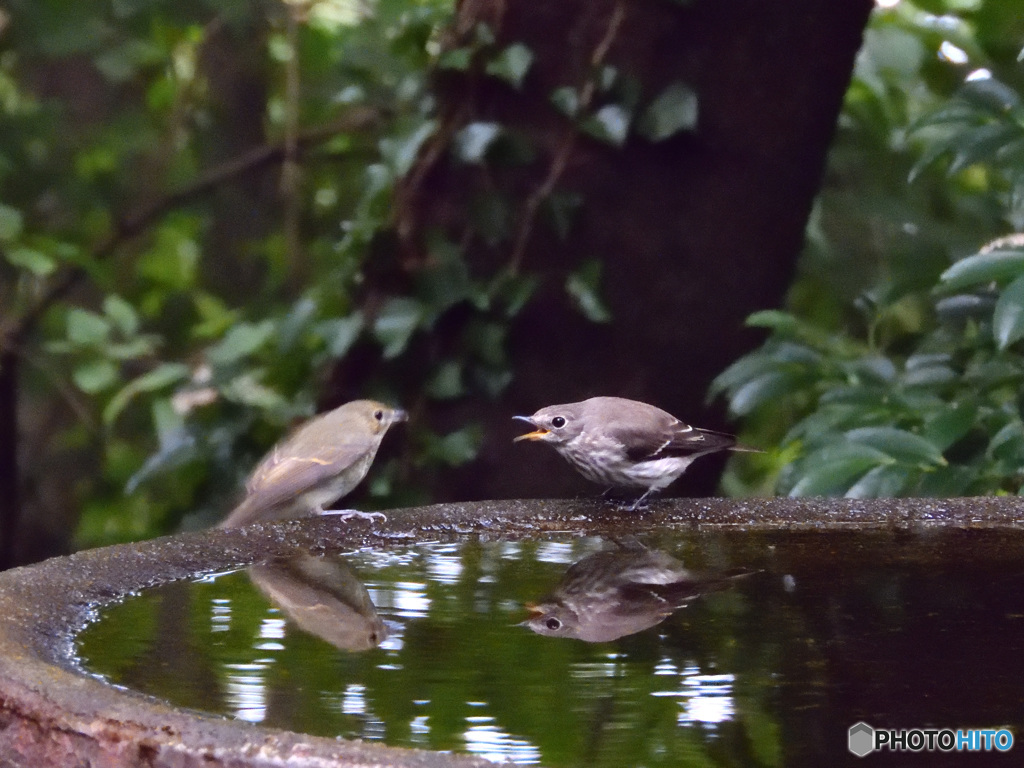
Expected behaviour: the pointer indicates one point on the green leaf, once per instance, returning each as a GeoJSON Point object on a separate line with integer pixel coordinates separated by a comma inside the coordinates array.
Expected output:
{"type": "Point", "coordinates": [341, 333]}
{"type": "Point", "coordinates": [514, 290]}
{"type": "Point", "coordinates": [609, 124]}
{"type": "Point", "coordinates": [880, 483]}
{"type": "Point", "coordinates": [95, 376]}
{"type": "Point", "coordinates": [981, 145]}
{"type": "Point", "coordinates": [483, 34]}
{"type": "Point", "coordinates": [583, 286]}
{"type": "Point", "coordinates": [241, 341]}
{"type": "Point", "coordinates": [172, 261]}
{"type": "Point", "coordinates": [473, 141]}
{"type": "Point", "coordinates": [1007, 443]}
{"type": "Point", "coordinates": [775, 319]}
{"type": "Point", "coordinates": [486, 341]}
{"type": "Point", "coordinates": [560, 209]}
{"type": "Point", "coordinates": [457, 58]}
{"type": "Point", "coordinates": [295, 323]}
{"type": "Point", "coordinates": [446, 383]}
{"type": "Point", "coordinates": [899, 444]}
{"type": "Point", "coordinates": [990, 94]}
{"type": "Point", "coordinates": [121, 63]}
{"type": "Point", "coordinates": [458, 447]}
{"type": "Point", "coordinates": [774, 356]}
{"type": "Point", "coordinates": [31, 260]}
{"type": "Point", "coordinates": [162, 376]}
{"type": "Point", "coordinates": [215, 314]}
{"type": "Point", "coordinates": [395, 324]}
{"type": "Point", "coordinates": [85, 328]}
{"type": "Point", "coordinates": [831, 470]}
{"type": "Point", "coordinates": [512, 64]}
{"type": "Point", "coordinates": [135, 347]}
{"type": "Point", "coordinates": [566, 100]}
{"type": "Point", "coordinates": [445, 282]}
{"type": "Point", "coordinates": [994, 266]}
{"type": "Point", "coordinates": [121, 314]}
{"type": "Point", "coordinates": [1008, 317]}
{"type": "Point", "coordinates": [768, 387]}
{"type": "Point", "coordinates": [10, 223]}
{"type": "Point", "coordinates": [674, 110]}
{"type": "Point", "coordinates": [607, 77]}
{"type": "Point", "coordinates": [247, 389]}
{"type": "Point", "coordinates": [401, 152]}
{"type": "Point", "coordinates": [964, 306]}
{"type": "Point", "coordinates": [950, 425]}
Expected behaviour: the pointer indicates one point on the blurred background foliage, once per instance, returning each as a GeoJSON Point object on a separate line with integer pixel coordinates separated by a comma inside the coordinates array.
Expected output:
{"type": "Point", "coordinates": [175, 305]}
{"type": "Point", "coordinates": [896, 366]}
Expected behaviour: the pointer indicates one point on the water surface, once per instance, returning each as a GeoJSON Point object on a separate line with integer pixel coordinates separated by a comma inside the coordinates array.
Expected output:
{"type": "Point", "coordinates": [425, 646]}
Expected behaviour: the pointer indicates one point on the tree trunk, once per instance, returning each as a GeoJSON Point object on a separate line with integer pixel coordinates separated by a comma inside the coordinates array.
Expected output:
{"type": "Point", "coordinates": [694, 232]}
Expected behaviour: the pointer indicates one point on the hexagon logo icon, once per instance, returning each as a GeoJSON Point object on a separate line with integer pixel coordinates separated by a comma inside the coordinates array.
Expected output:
{"type": "Point", "coordinates": [861, 739]}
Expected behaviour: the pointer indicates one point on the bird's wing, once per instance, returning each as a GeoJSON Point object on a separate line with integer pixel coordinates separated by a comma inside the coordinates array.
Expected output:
{"type": "Point", "coordinates": [677, 439]}
{"type": "Point", "coordinates": [282, 477]}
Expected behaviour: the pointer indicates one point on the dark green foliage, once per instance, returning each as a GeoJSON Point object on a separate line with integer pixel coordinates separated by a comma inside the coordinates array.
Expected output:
{"type": "Point", "coordinates": [899, 369]}
{"type": "Point", "coordinates": [199, 349]}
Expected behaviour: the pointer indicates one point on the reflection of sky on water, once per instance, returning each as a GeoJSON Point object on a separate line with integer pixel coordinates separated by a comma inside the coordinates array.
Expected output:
{"type": "Point", "coordinates": [271, 633]}
{"type": "Point", "coordinates": [245, 685]}
{"type": "Point", "coordinates": [245, 688]}
{"type": "Point", "coordinates": [703, 698]}
{"type": "Point", "coordinates": [485, 739]}
{"type": "Point", "coordinates": [220, 614]}
{"type": "Point", "coordinates": [706, 699]}
{"type": "Point", "coordinates": [444, 565]}
{"type": "Point", "coordinates": [425, 583]}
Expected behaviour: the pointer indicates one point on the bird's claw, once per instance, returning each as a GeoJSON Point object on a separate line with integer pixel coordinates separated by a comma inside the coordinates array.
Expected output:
{"type": "Point", "coordinates": [639, 505]}
{"type": "Point", "coordinates": [348, 514]}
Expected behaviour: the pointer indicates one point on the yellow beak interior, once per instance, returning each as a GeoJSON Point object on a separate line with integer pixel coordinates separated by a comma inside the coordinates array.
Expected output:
{"type": "Point", "coordinates": [537, 435]}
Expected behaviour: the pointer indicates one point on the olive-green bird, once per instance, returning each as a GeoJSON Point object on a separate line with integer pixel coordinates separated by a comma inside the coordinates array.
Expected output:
{"type": "Point", "coordinates": [321, 461]}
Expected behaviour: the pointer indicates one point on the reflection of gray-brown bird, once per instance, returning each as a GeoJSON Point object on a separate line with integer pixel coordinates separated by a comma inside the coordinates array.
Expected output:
{"type": "Point", "coordinates": [620, 592]}
{"type": "Point", "coordinates": [624, 443]}
{"type": "Point", "coordinates": [322, 596]}
{"type": "Point", "coordinates": [322, 461]}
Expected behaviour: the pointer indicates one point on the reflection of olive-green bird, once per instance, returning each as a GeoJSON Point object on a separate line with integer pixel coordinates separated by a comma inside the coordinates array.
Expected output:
{"type": "Point", "coordinates": [619, 592]}
{"type": "Point", "coordinates": [323, 596]}
{"type": "Point", "coordinates": [320, 462]}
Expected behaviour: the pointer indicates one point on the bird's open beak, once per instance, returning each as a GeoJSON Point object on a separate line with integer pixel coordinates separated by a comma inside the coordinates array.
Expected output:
{"type": "Point", "coordinates": [538, 434]}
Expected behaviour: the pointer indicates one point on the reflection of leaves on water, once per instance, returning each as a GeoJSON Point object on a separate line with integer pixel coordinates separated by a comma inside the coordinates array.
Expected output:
{"type": "Point", "coordinates": [324, 597]}
{"type": "Point", "coordinates": [619, 592]}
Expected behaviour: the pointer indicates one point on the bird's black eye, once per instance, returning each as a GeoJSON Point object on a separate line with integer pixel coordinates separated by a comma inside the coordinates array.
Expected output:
{"type": "Point", "coordinates": [553, 624]}
{"type": "Point", "coordinates": [378, 415]}
{"type": "Point", "coordinates": [558, 422]}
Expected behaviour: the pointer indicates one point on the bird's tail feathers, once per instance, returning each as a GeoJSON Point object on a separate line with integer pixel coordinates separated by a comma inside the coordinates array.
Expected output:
{"type": "Point", "coordinates": [739, 447]}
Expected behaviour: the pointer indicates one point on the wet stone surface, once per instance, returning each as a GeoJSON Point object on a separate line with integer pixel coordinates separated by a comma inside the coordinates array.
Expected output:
{"type": "Point", "coordinates": [847, 610]}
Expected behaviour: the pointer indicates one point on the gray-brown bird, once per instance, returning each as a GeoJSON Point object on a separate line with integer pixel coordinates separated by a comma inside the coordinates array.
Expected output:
{"type": "Point", "coordinates": [320, 462]}
{"type": "Point", "coordinates": [620, 592]}
{"type": "Point", "coordinates": [624, 443]}
{"type": "Point", "coordinates": [323, 596]}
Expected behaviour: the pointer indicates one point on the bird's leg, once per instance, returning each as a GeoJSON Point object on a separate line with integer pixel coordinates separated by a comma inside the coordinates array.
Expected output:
{"type": "Point", "coordinates": [348, 514]}
{"type": "Point", "coordinates": [639, 503]}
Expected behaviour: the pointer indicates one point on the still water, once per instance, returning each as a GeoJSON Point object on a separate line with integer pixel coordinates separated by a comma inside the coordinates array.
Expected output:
{"type": "Point", "coordinates": [716, 649]}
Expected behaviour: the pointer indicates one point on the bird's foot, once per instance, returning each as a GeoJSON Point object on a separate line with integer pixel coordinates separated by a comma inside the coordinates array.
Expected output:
{"type": "Point", "coordinates": [641, 503]}
{"type": "Point", "coordinates": [613, 497]}
{"type": "Point", "coordinates": [348, 514]}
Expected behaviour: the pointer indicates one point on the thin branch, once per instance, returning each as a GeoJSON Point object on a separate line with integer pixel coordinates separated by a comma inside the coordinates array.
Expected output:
{"type": "Point", "coordinates": [12, 336]}
{"type": "Point", "coordinates": [563, 154]}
